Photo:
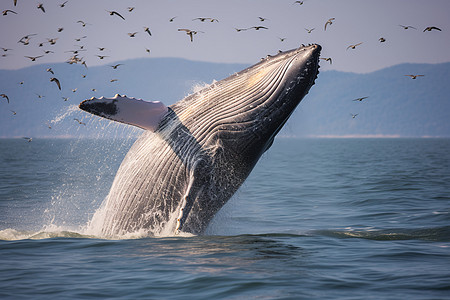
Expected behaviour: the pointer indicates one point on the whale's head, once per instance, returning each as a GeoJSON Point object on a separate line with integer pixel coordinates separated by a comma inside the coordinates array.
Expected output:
{"type": "Point", "coordinates": [246, 110]}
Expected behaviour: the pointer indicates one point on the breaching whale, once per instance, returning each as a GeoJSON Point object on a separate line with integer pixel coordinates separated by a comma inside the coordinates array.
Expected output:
{"type": "Point", "coordinates": [195, 154]}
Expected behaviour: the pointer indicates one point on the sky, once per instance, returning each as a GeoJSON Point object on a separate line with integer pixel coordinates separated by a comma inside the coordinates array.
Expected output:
{"type": "Point", "coordinates": [355, 21]}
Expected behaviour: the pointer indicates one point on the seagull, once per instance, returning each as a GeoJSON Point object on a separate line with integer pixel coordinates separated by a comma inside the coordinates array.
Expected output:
{"type": "Point", "coordinates": [132, 34]}
{"type": "Point", "coordinates": [407, 27]}
{"type": "Point", "coordinates": [429, 28]}
{"type": "Point", "coordinates": [360, 99]}
{"type": "Point", "coordinates": [115, 66]}
{"type": "Point", "coordinates": [15, 2]}
{"type": "Point", "coordinates": [309, 30]}
{"type": "Point", "coordinates": [4, 96]}
{"type": "Point", "coordinates": [60, 29]}
{"type": "Point", "coordinates": [53, 79]}
{"type": "Point", "coordinates": [146, 29]}
{"type": "Point", "coordinates": [282, 39]}
{"type": "Point", "coordinates": [65, 98]}
{"type": "Point", "coordinates": [6, 11]}
{"type": "Point", "coordinates": [111, 13]}
{"type": "Point", "coordinates": [354, 115]}
{"type": "Point", "coordinates": [102, 56]}
{"type": "Point", "coordinates": [83, 23]}
{"type": "Point", "coordinates": [50, 71]}
{"type": "Point", "coordinates": [258, 27]}
{"type": "Point", "coordinates": [52, 41]}
{"type": "Point", "coordinates": [63, 4]}
{"type": "Point", "coordinates": [27, 37]}
{"type": "Point", "coordinates": [33, 58]}
{"type": "Point", "coordinates": [147, 50]}
{"type": "Point", "coordinates": [41, 7]}
{"type": "Point", "coordinates": [190, 33]}
{"type": "Point", "coordinates": [240, 29]}
{"type": "Point", "coordinates": [353, 46]}
{"type": "Point", "coordinates": [328, 59]}
{"type": "Point", "coordinates": [130, 9]}
{"type": "Point", "coordinates": [206, 19]}
{"type": "Point", "coordinates": [28, 139]}
{"type": "Point", "coordinates": [382, 39]}
{"type": "Point", "coordinates": [74, 90]}
{"type": "Point", "coordinates": [13, 112]}
{"type": "Point", "coordinates": [262, 19]}
{"type": "Point", "coordinates": [113, 80]}
{"type": "Point", "coordinates": [6, 49]}
{"type": "Point", "coordinates": [299, 2]}
{"type": "Point", "coordinates": [415, 76]}
{"type": "Point", "coordinates": [39, 96]}
{"type": "Point", "coordinates": [79, 122]}
{"type": "Point", "coordinates": [49, 126]}
{"type": "Point", "coordinates": [171, 19]}
{"type": "Point", "coordinates": [330, 21]}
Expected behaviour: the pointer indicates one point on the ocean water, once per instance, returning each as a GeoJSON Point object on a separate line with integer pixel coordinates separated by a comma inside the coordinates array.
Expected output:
{"type": "Point", "coordinates": [316, 219]}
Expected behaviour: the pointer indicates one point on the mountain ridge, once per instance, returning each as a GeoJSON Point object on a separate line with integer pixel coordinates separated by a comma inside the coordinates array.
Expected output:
{"type": "Point", "coordinates": [396, 105]}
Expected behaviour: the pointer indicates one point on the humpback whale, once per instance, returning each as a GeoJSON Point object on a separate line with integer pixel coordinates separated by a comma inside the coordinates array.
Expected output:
{"type": "Point", "coordinates": [195, 154]}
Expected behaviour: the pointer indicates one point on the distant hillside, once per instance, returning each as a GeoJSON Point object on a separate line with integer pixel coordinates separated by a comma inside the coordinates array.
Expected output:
{"type": "Point", "coordinates": [396, 105]}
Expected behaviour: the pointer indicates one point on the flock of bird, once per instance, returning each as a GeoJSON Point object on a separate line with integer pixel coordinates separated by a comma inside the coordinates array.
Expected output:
{"type": "Point", "coordinates": [76, 58]}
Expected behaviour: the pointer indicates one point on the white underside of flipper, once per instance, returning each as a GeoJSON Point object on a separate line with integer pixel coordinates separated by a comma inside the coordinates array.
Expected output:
{"type": "Point", "coordinates": [143, 114]}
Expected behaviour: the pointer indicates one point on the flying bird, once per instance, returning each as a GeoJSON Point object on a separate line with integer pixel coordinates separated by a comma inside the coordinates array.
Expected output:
{"type": "Point", "coordinates": [65, 98]}
{"type": "Point", "coordinates": [33, 58]}
{"type": "Point", "coordinates": [28, 139]}
{"type": "Point", "coordinates": [429, 28]}
{"type": "Point", "coordinates": [6, 49]}
{"type": "Point", "coordinates": [74, 90]}
{"type": "Point", "coordinates": [50, 71]}
{"type": "Point", "coordinates": [309, 30]}
{"type": "Point", "coordinates": [262, 19]}
{"type": "Point", "coordinates": [13, 112]}
{"type": "Point", "coordinates": [354, 115]}
{"type": "Point", "coordinates": [132, 34]}
{"type": "Point", "coordinates": [354, 46]}
{"type": "Point", "coordinates": [360, 99]}
{"type": "Point", "coordinates": [407, 27]}
{"type": "Point", "coordinates": [328, 59]}
{"type": "Point", "coordinates": [171, 19]}
{"type": "Point", "coordinates": [130, 9]}
{"type": "Point", "coordinates": [55, 80]}
{"type": "Point", "coordinates": [329, 22]}
{"type": "Point", "coordinates": [206, 19]}
{"type": "Point", "coordinates": [382, 39]}
{"type": "Point", "coordinates": [258, 27]}
{"type": "Point", "coordinates": [39, 96]}
{"type": "Point", "coordinates": [146, 29]}
{"type": "Point", "coordinates": [79, 122]}
{"type": "Point", "coordinates": [282, 39]}
{"type": "Point", "coordinates": [114, 80]}
{"type": "Point", "coordinates": [299, 2]}
{"type": "Point", "coordinates": [6, 11]}
{"type": "Point", "coordinates": [41, 7]}
{"type": "Point", "coordinates": [112, 13]}
{"type": "Point", "coordinates": [60, 29]}
{"type": "Point", "coordinates": [82, 24]}
{"type": "Point", "coordinates": [5, 96]}
{"type": "Point", "coordinates": [15, 2]}
{"type": "Point", "coordinates": [414, 76]}
{"type": "Point", "coordinates": [115, 66]}
{"type": "Point", "coordinates": [190, 33]}
{"type": "Point", "coordinates": [63, 4]}
{"type": "Point", "coordinates": [102, 56]}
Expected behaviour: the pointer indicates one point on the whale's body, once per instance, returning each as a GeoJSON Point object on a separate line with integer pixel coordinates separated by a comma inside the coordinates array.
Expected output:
{"type": "Point", "coordinates": [197, 152]}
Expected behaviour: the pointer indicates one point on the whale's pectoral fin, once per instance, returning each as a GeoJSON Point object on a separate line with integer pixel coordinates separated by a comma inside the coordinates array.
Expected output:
{"type": "Point", "coordinates": [132, 111]}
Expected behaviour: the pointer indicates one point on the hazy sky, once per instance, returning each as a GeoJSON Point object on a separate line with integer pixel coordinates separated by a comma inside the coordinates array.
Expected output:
{"type": "Point", "coordinates": [355, 21]}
